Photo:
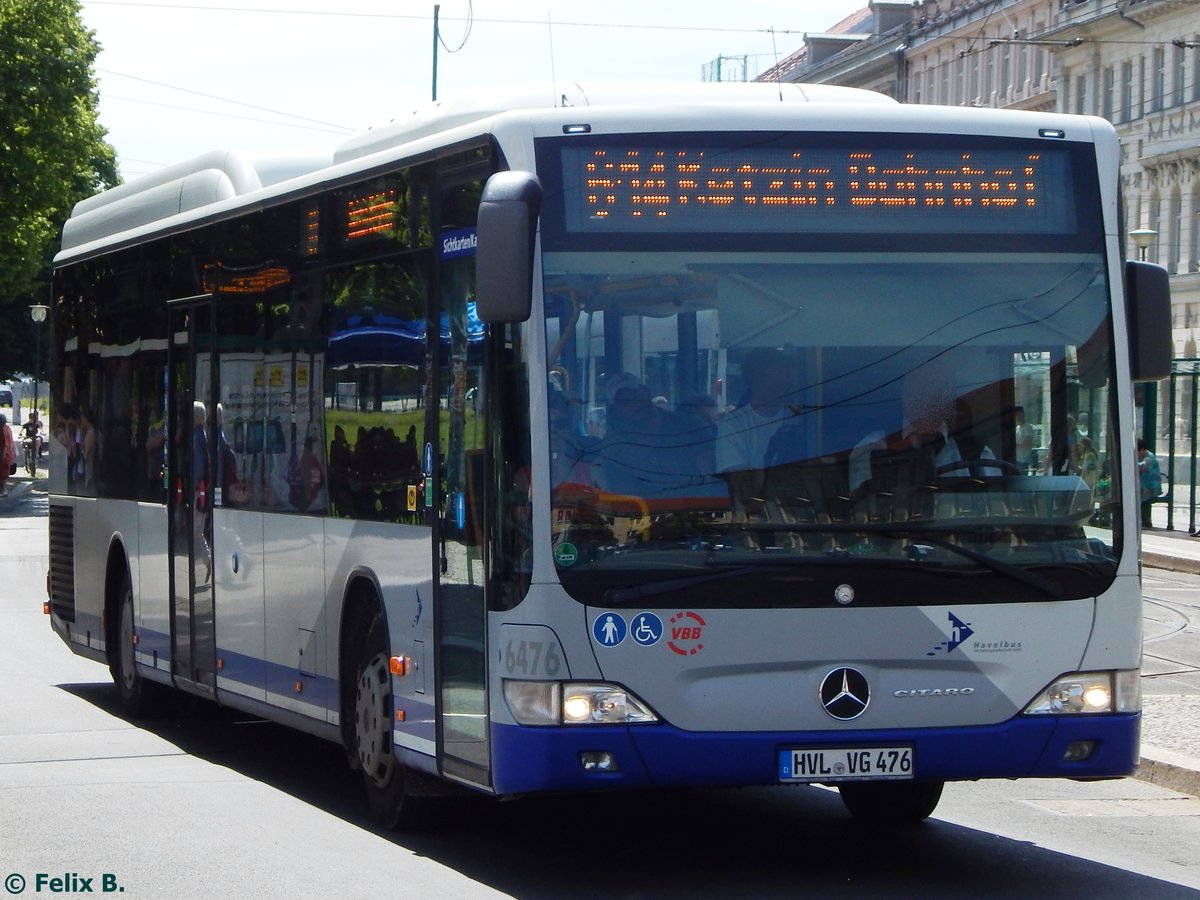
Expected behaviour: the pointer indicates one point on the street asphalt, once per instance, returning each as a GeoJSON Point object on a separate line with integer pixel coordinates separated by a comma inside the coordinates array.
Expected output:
{"type": "Point", "coordinates": [1170, 723]}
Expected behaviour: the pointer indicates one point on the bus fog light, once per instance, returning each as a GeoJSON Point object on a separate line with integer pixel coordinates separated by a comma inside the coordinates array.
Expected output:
{"type": "Point", "coordinates": [533, 702]}
{"type": "Point", "coordinates": [598, 761]}
{"type": "Point", "coordinates": [1078, 751]}
{"type": "Point", "coordinates": [1079, 692]}
{"type": "Point", "coordinates": [602, 704]}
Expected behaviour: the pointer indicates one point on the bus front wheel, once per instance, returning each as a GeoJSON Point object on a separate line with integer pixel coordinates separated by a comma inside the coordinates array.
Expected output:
{"type": "Point", "coordinates": [139, 698]}
{"type": "Point", "coordinates": [389, 784]}
{"type": "Point", "coordinates": [891, 801]}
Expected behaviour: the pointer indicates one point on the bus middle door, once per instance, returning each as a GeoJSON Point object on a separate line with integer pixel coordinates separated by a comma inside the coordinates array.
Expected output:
{"type": "Point", "coordinates": [189, 462]}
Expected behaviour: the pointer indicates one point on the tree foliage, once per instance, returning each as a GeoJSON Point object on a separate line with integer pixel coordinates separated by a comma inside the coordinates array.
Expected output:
{"type": "Point", "coordinates": [52, 154]}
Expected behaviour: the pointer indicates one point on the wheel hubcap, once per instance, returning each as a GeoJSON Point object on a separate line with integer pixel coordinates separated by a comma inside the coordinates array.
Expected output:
{"type": "Point", "coordinates": [372, 720]}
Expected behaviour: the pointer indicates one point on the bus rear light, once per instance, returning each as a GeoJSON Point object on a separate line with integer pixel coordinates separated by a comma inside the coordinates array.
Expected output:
{"type": "Point", "coordinates": [45, 607]}
{"type": "Point", "coordinates": [574, 703]}
{"type": "Point", "coordinates": [397, 665]}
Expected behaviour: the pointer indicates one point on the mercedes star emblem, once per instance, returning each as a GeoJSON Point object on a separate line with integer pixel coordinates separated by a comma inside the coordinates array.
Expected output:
{"type": "Point", "coordinates": [845, 694]}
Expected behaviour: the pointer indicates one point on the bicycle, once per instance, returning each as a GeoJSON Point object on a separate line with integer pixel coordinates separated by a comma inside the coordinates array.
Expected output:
{"type": "Point", "coordinates": [31, 448]}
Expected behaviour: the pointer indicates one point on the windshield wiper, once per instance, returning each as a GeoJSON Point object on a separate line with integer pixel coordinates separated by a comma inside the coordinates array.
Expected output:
{"type": "Point", "coordinates": [1047, 586]}
{"type": "Point", "coordinates": [619, 595]}
{"type": "Point", "coordinates": [626, 594]}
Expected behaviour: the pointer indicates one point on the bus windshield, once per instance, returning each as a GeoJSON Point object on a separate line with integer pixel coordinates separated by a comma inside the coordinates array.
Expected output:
{"type": "Point", "coordinates": [922, 427]}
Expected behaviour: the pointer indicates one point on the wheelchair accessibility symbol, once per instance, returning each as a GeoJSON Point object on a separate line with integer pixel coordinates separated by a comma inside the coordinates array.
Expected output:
{"type": "Point", "coordinates": [646, 629]}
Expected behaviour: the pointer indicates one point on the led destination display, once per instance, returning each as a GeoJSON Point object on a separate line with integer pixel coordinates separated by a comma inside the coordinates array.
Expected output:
{"type": "Point", "coordinates": [774, 188]}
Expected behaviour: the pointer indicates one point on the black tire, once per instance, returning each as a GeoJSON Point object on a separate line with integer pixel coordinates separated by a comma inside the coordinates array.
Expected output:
{"type": "Point", "coordinates": [140, 698]}
{"type": "Point", "coordinates": [390, 786]}
{"type": "Point", "coordinates": [891, 802]}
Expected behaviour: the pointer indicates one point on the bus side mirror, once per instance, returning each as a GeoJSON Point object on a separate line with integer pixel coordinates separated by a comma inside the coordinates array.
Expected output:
{"type": "Point", "coordinates": [1148, 315]}
{"type": "Point", "coordinates": [505, 231]}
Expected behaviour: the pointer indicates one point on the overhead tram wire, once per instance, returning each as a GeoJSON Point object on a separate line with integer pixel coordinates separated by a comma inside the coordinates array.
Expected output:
{"type": "Point", "coordinates": [471, 19]}
{"type": "Point", "coordinates": [328, 127]}
{"type": "Point", "coordinates": [332, 129]}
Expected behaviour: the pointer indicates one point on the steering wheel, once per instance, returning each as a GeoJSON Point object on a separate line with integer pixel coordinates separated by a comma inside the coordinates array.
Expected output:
{"type": "Point", "coordinates": [966, 465]}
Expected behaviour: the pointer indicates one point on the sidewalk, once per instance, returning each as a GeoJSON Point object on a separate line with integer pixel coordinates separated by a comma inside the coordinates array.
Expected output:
{"type": "Point", "coordinates": [18, 486]}
{"type": "Point", "coordinates": [1171, 724]}
{"type": "Point", "coordinates": [1173, 549]}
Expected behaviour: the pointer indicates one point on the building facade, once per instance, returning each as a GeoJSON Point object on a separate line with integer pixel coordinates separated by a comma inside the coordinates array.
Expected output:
{"type": "Point", "coordinates": [1134, 62]}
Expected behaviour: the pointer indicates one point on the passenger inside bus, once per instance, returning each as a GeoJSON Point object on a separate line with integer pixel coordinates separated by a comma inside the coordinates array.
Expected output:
{"type": "Point", "coordinates": [744, 435]}
{"type": "Point", "coordinates": [892, 476]}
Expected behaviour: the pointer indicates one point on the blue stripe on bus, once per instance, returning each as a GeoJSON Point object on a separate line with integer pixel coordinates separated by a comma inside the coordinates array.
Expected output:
{"type": "Point", "coordinates": [319, 691]}
{"type": "Point", "coordinates": [536, 759]}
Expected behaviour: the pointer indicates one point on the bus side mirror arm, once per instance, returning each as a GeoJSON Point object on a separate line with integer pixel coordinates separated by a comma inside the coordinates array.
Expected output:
{"type": "Point", "coordinates": [506, 230]}
{"type": "Point", "coordinates": [1148, 318]}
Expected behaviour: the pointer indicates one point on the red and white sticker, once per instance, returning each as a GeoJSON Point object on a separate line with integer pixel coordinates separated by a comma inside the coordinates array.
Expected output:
{"type": "Point", "coordinates": [686, 629]}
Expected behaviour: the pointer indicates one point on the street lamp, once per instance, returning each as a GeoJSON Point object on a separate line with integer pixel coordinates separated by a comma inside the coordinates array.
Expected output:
{"type": "Point", "coordinates": [1142, 239]}
{"type": "Point", "coordinates": [37, 312]}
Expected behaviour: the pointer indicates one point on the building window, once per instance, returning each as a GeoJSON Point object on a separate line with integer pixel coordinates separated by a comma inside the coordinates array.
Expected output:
{"type": "Point", "coordinates": [1126, 111]}
{"type": "Point", "coordinates": [1039, 59]}
{"type": "Point", "coordinates": [1003, 85]}
{"type": "Point", "coordinates": [1106, 94]}
{"type": "Point", "coordinates": [1195, 71]}
{"type": "Point", "coordinates": [1158, 79]}
{"type": "Point", "coordinates": [1155, 223]}
{"type": "Point", "coordinates": [1194, 243]}
{"type": "Point", "coordinates": [1174, 223]}
{"type": "Point", "coordinates": [1178, 90]}
{"type": "Point", "coordinates": [1139, 101]}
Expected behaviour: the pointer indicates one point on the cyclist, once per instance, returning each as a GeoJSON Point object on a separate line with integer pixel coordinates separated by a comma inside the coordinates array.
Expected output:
{"type": "Point", "coordinates": [32, 441]}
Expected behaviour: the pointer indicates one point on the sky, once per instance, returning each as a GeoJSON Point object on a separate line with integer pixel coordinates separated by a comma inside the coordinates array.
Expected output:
{"type": "Point", "coordinates": [179, 78]}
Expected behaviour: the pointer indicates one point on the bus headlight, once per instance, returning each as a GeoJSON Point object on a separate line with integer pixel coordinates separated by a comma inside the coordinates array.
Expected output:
{"type": "Point", "coordinates": [1089, 693]}
{"type": "Point", "coordinates": [574, 703]}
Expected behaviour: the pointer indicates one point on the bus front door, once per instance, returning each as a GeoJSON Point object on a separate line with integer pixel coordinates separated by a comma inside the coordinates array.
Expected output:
{"type": "Point", "coordinates": [460, 625]}
{"type": "Point", "coordinates": [193, 646]}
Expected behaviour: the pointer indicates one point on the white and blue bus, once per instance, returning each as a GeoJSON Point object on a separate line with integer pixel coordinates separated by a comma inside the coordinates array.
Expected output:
{"type": "Point", "coordinates": [587, 439]}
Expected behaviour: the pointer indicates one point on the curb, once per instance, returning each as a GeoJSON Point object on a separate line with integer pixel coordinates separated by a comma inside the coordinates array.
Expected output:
{"type": "Point", "coordinates": [1170, 563]}
{"type": "Point", "coordinates": [1169, 769]}
{"type": "Point", "coordinates": [16, 489]}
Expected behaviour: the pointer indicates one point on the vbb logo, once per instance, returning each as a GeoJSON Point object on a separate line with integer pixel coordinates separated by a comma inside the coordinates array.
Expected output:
{"type": "Point", "coordinates": [686, 630]}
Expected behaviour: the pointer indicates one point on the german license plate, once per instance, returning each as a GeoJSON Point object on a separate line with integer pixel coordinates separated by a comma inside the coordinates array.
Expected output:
{"type": "Point", "coordinates": [845, 763]}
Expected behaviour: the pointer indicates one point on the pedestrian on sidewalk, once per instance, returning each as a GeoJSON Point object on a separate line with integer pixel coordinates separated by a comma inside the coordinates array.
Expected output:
{"type": "Point", "coordinates": [8, 465]}
{"type": "Point", "coordinates": [1149, 480]}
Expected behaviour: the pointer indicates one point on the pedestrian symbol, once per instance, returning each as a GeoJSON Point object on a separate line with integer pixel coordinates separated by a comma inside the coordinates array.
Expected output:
{"type": "Point", "coordinates": [609, 629]}
{"type": "Point", "coordinates": [646, 629]}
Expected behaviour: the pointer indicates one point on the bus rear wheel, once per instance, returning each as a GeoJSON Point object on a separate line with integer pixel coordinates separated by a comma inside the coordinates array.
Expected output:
{"type": "Point", "coordinates": [891, 802]}
{"type": "Point", "coordinates": [389, 785]}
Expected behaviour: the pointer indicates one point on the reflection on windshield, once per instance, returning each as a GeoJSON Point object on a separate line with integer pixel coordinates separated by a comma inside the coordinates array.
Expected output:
{"type": "Point", "coordinates": [804, 409]}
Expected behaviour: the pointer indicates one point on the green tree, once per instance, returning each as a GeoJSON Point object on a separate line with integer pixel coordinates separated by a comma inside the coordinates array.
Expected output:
{"type": "Point", "coordinates": [52, 154]}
